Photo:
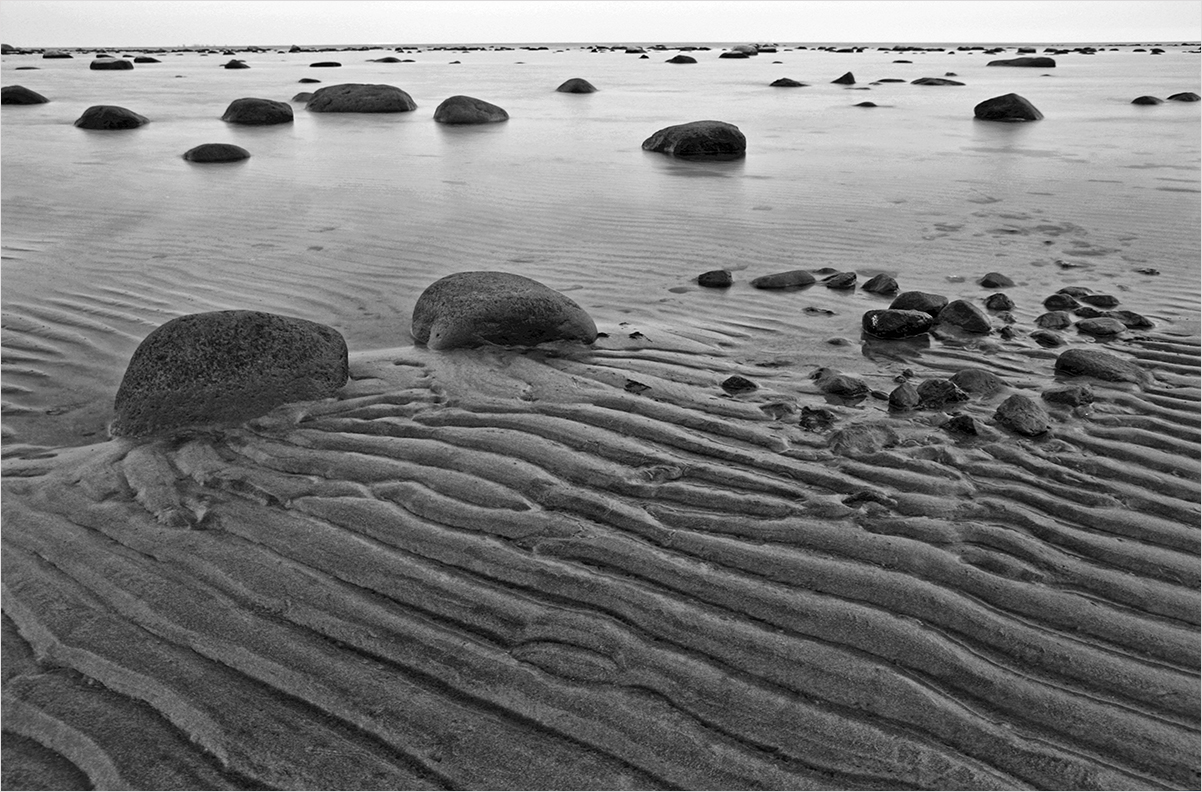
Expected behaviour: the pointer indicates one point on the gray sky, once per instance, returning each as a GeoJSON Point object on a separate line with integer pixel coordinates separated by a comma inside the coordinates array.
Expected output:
{"type": "Point", "coordinates": [143, 23]}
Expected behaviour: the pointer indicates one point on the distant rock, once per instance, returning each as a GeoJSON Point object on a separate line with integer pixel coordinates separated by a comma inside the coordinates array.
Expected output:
{"type": "Point", "coordinates": [699, 140]}
{"type": "Point", "coordinates": [577, 85]}
{"type": "Point", "coordinates": [226, 366]}
{"type": "Point", "coordinates": [216, 152]}
{"type": "Point", "coordinates": [1038, 62]}
{"type": "Point", "coordinates": [110, 64]}
{"type": "Point", "coordinates": [110, 117]}
{"type": "Point", "coordinates": [891, 323]}
{"type": "Point", "coordinates": [325, 65]}
{"type": "Point", "coordinates": [966, 316]}
{"type": "Point", "coordinates": [681, 59]}
{"type": "Point", "coordinates": [1100, 365]}
{"type": "Point", "coordinates": [1101, 326]}
{"type": "Point", "coordinates": [20, 95]}
{"type": "Point", "coordinates": [1146, 100]}
{"type": "Point", "coordinates": [785, 82]}
{"type": "Point", "coordinates": [784, 280]}
{"type": "Point", "coordinates": [303, 96]}
{"type": "Point", "coordinates": [734, 54]}
{"type": "Point", "coordinates": [469, 309]}
{"type": "Point", "coordinates": [1023, 415]}
{"type": "Point", "coordinates": [308, 80]}
{"type": "Point", "coordinates": [846, 79]}
{"type": "Point", "coordinates": [934, 81]}
{"type": "Point", "coordinates": [995, 280]}
{"type": "Point", "coordinates": [385, 59]}
{"type": "Point", "coordinates": [880, 284]}
{"type": "Point", "coordinates": [468, 110]}
{"type": "Point", "coordinates": [257, 112]}
{"type": "Point", "coordinates": [360, 98]}
{"type": "Point", "coordinates": [1100, 300]}
{"type": "Point", "coordinates": [1187, 96]}
{"type": "Point", "coordinates": [146, 59]}
{"type": "Point", "coordinates": [865, 104]}
{"type": "Point", "coordinates": [235, 64]}
{"type": "Point", "coordinates": [56, 54]}
{"type": "Point", "coordinates": [919, 301]}
{"type": "Point", "coordinates": [1009, 107]}
{"type": "Point", "coordinates": [719, 278]}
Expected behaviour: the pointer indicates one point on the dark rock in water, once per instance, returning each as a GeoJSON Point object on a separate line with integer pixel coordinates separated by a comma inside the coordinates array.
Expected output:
{"type": "Point", "coordinates": [1072, 395]}
{"type": "Point", "coordinates": [865, 104]}
{"type": "Point", "coordinates": [1010, 107]}
{"type": "Point", "coordinates": [699, 140]}
{"type": "Point", "coordinates": [1021, 414]}
{"type": "Point", "coordinates": [385, 59]}
{"type": "Point", "coordinates": [1101, 326]}
{"type": "Point", "coordinates": [1131, 319]}
{"type": "Point", "coordinates": [1100, 365]}
{"type": "Point", "coordinates": [784, 280]}
{"type": "Point", "coordinates": [785, 82]}
{"type": "Point", "coordinates": [845, 386]}
{"type": "Point", "coordinates": [235, 64]}
{"type": "Point", "coordinates": [966, 316]}
{"type": "Point", "coordinates": [995, 280]}
{"type": "Point", "coordinates": [737, 384]}
{"type": "Point", "coordinates": [846, 79]}
{"type": "Point", "coordinates": [1100, 300]}
{"type": "Point", "coordinates": [919, 301]}
{"type": "Point", "coordinates": [1038, 62]}
{"type": "Point", "coordinates": [840, 280]}
{"type": "Point", "coordinates": [109, 117]}
{"type": "Point", "coordinates": [325, 65]}
{"type": "Point", "coordinates": [258, 112]}
{"type": "Point", "coordinates": [1074, 291]}
{"type": "Point", "coordinates": [880, 284]}
{"type": "Point", "coordinates": [934, 81]}
{"type": "Point", "coordinates": [1088, 312]}
{"type": "Point", "coordinates": [1187, 96]}
{"type": "Point", "coordinates": [816, 419]}
{"type": "Point", "coordinates": [1061, 302]}
{"type": "Point", "coordinates": [863, 438]}
{"type": "Point", "coordinates": [110, 64]}
{"type": "Point", "coordinates": [934, 394]}
{"type": "Point", "coordinates": [146, 59]}
{"type": "Point", "coordinates": [904, 397]}
{"type": "Point", "coordinates": [20, 95]}
{"type": "Point", "coordinates": [963, 424]}
{"type": "Point", "coordinates": [360, 98]}
{"type": "Point", "coordinates": [893, 323]}
{"type": "Point", "coordinates": [55, 54]}
{"type": "Point", "coordinates": [1054, 320]}
{"type": "Point", "coordinates": [303, 96]}
{"type": "Point", "coordinates": [226, 366]}
{"type": "Point", "coordinates": [719, 278]}
{"type": "Point", "coordinates": [468, 110]}
{"type": "Point", "coordinates": [977, 381]}
{"type": "Point", "coordinates": [734, 54]}
{"type": "Point", "coordinates": [1046, 338]}
{"type": "Point", "coordinates": [999, 302]}
{"type": "Point", "coordinates": [1146, 100]}
{"type": "Point", "coordinates": [469, 309]}
{"type": "Point", "coordinates": [309, 80]}
{"type": "Point", "coordinates": [577, 85]}
{"type": "Point", "coordinates": [216, 152]}
{"type": "Point", "coordinates": [681, 59]}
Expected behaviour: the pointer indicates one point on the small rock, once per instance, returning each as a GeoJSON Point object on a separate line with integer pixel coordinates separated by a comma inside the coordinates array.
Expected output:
{"type": "Point", "coordinates": [1146, 100]}
{"type": "Point", "coordinates": [1088, 312]}
{"type": "Point", "coordinates": [681, 59]}
{"type": "Point", "coordinates": [863, 438]}
{"type": "Point", "coordinates": [784, 280]}
{"type": "Point", "coordinates": [715, 140]}
{"type": "Point", "coordinates": [999, 302]}
{"type": "Point", "coordinates": [360, 98]}
{"type": "Point", "coordinates": [1061, 302]}
{"type": "Point", "coordinates": [577, 85]}
{"type": "Point", "coordinates": [1046, 338]}
{"type": "Point", "coordinates": [1131, 319]}
{"type": "Point", "coordinates": [216, 152]}
{"type": "Point", "coordinates": [844, 386]}
{"type": "Point", "coordinates": [933, 394]}
{"type": "Point", "coordinates": [1101, 326]}
{"type": "Point", "coordinates": [880, 284]}
{"type": "Point", "coordinates": [1023, 415]}
{"type": "Point", "coordinates": [1074, 291]}
{"type": "Point", "coordinates": [715, 279]}
{"type": "Point", "coordinates": [841, 280]}
{"type": "Point", "coordinates": [1072, 395]}
{"type": "Point", "coordinates": [785, 82]}
{"type": "Point", "coordinates": [846, 79]}
{"type": "Point", "coordinates": [977, 381]}
{"type": "Point", "coordinates": [109, 117]}
{"type": "Point", "coordinates": [737, 384]}
{"type": "Point", "coordinates": [257, 112]}
{"type": "Point", "coordinates": [1100, 300]}
{"type": "Point", "coordinates": [995, 280]}
{"type": "Point", "coordinates": [892, 323]}
{"type": "Point", "coordinates": [816, 419]}
{"type": "Point", "coordinates": [966, 316]}
{"type": "Point", "coordinates": [1148, 271]}
{"type": "Point", "coordinates": [1054, 320]}
{"type": "Point", "coordinates": [919, 301]}
{"type": "Point", "coordinates": [865, 104]}
{"type": "Point", "coordinates": [904, 397]}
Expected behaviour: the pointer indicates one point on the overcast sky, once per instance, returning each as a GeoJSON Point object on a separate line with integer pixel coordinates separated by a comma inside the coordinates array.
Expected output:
{"type": "Point", "coordinates": [148, 23]}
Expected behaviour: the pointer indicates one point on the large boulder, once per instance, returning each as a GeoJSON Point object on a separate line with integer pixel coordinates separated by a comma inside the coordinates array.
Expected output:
{"type": "Point", "coordinates": [216, 152]}
{"type": "Point", "coordinates": [20, 95]}
{"type": "Point", "coordinates": [896, 323]}
{"type": "Point", "coordinates": [784, 280]}
{"type": "Point", "coordinates": [226, 366]}
{"type": "Point", "coordinates": [699, 140]}
{"type": "Point", "coordinates": [360, 98]}
{"type": "Point", "coordinates": [468, 110]}
{"type": "Point", "coordinates": [1146, 100]}
{"type": "Point", "coordinates": [1037, 62]}
{"type": "Point", "coordinates": [258, 112]}
{"type": "Point", "coordinates": [110, 64]}
{"type": "Point", "coordinates": [1008, 107]}
{"type": "Point", "coordinates": [576, 85]}
{"type": "Point", "coordinates": [469, 309]}
{"type": "Point", "coordinates": [109, 117]}
{"type": "Point", "coordinates": [1099, 365]}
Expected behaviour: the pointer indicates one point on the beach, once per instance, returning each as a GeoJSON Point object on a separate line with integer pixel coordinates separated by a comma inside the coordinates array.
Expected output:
{"type": "Point", "coordinates": [593, 565]}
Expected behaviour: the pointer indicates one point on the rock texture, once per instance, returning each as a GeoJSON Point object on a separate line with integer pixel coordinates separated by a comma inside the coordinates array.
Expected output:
{"type": "Point", "coordinates": [468, 110]}
{"type": "Point", "coordinates": [360, 98]}
{"type": "Point", "coordinates": [109, 117]}
{"type": "Point", "coordinates": [216, 152]}
{"type": "Point", "coordinates": [1187, 96]}
{"type": "Point", "coordinates": [20, 95]}
{"type": "Point", "coordinates": [1008, 107]}
{"type": "Point", "coordinates": [469, 309]}
{"type": "Point", "coordinates": [257, 112]}
{"type": "Point", "coordinates": [699, 140]}
{"type": "Point", "coordinates": [681, 59]}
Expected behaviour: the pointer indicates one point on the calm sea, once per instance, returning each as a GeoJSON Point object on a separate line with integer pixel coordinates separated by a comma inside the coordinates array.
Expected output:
{"type": "Point", "coordinates": [344, 219]}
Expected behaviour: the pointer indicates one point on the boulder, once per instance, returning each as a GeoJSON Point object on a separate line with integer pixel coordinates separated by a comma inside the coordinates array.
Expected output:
{"type": "Point", "coordinates": [846, 79]}
{"type": "Point", "coordinates": [360, 98]}
{"type": "Point", "coordinates": [966, 316]}
{"type": "Point", "coordinates": [1130, 319]}
{"type": "Point", "coordinates": [893, 323]}
{"type": "Point", "coordinates": [1061, 302]}
{"type": "Point", "coordinates": [1053, 320]}
{"type": "Point", "coordinates": [1009, 107]}
{"type": "Point", "coordinates": [1023, 415]}
{"type": "Point", "coordinates": [977, 381]}
{"type": "Point", "coordinates": [1100, 300]}
{"type": "Point", "coordinates": [999, 302]}
{"type": "Point", "coordinates": [468, 110]}
{"type": "Point", "coordinates": [469, 309]}
{"type": "Point", "coordinates": [1099, 365]}
{"type": "Point", "coordinates": [1101, 326]}
{"type": "Point", "coordinates": [20, 95]}
{"type": "Point", "coordinates": [840, 280]}
{"type": "Point", "coordinates": [904, 397]}
{"type": "Point", "coordinates": [257, 112]}
{"type": "Point", "coordinates": [863, 438]}
{"type": "Point", "coordinates": [681, 59]}
{"type": "Point", "coordinates": [1187, 96]}
{"type": "Point", "coordinates": [226, 366]}
{"type": "Point", "coordinates": [844, 386]}
{"type": "Point", "coordinates": [1146, 100]}
{"type": "Point", "coordinates": [785, 82]}
{"type": "Point", "coordinates": [934, 81]}
{"type": "Point", "coordinates": [235, 64]}
{"type": "Point", "coordinates": [784, 280]}
{"type": "Point", "coordinates": [919, 301]}
{"type": "Point", "coordinates": [934, 394]}
{"type": "Point", "coordinates": [1071, 395]}
{"type": "Point", "coordinates": [110, 64]}
{"type": "Point", "coordinates": [109, 117]}
{"type": "Point", "coordinates": [880, 284]}
{"type": "Point", "coordinates": [1038, 62]}
{"type": "Point", "coordinates": [719, 279]}
{"type": "Point", "coordinates": [699, 140]}
{"type": "Point", "coordinates": [216, 152]}
{"type": "Point", "coordinates": [995, 280]}
{"type": "Point", "coordinates": [576, 85]}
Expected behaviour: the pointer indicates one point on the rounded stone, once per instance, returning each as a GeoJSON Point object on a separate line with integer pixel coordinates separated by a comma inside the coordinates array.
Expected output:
{"type": "Point", "coordinates": [1146, 100]}
{"type": "Point", "coordinates": [325, 65]}
{"type": "Point", "coordinates": [1046, 338]}
{"type": "Point", "coordinates": [699, 140]}
{"type": "Point", "coordinates": [1186, 96]}
{"type": "Point", "coordinates": [880, 284]}
{"type": "Point", "coordinates": [893, 323]}
{"type": "Point", "coordinates": [303, 96]}
{"type": "Point", "coordinates": [109, 117]}
{"type": "Point", "coordinates": [469, 309]}
{"type": "Point", "coordinates": [1023, 415]}
{"type": "Point", "coordinates": [934, 394]}
{"type": "Point", "coordinates": [840, 281]}
{"type": "Point", "coordinates": [977, 381]}
{"type": "Point", "coordinates": [468, 110]}
{"type": "Point", "coordinates": [785, 82]}
{"type": "Point", "coordinates": [718, 279]}
{"type": "Point", "coordinates": [216, 152]}
{"type": "Point", "coordinates": [919, 301]}
{"type": "Point", "coordinates": [1131, 319]}
{"type": "Point", "coordinates": [999, 302]}
{"type": "Point", "coordinates": [576, 85]}
{"type": "Point", "coordinates": [20, 95]}
{"type": "Point", "coordinates": [681, 59]}
{"type": "Point", "coordinates": [1101, 326]}
{"type": "Point", "coordinates": [934, 81]}
{"type": "Point", "coordinates": [236, 64]}
{"type": "Point", "coordinates": [844, 386]}
{"type": "Point", "coordinates": [736, 384]}
{"type": "Point", "coordinates": [257, 112]}
{"type": "Point", "coordinates": [360, 98]}
{"type": "Point", "coordinates": [1071, 395]}
{"type": "Point", "coordinates": [1061, 302]}
{"type": "Point", "coordinates": [1008, 107]}
{"type": "Point", "coordinates": [1100, 300]}
{"type": "Point", "coordinates": [226, 366]}
{"type": "Point", "coordinates": [1037, 62]}
{"type": "Point", "coordinates": [966, 316]}
{"type": "Point", "coordinates": [784, 280]}
{"type": "Point", "coordinates": [904, 397]}
{"type": "Point", "coordinates": [995, 280]}
{"type": "Point", "coordinates": [1053, 320]}
{"type": "Point", "coordinates": [1100, 365]}
{"type": "Point", "coordinates": [110, 64]}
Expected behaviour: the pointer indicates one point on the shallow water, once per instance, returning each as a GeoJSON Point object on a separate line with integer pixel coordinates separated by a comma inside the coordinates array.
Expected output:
{"type": "Point", "coordinates": [345, 219]}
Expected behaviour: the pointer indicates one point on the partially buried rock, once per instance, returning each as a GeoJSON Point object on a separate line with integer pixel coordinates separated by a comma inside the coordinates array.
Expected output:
{"type": "Point", "coordinates": [864, 104]}
{"type": "Point", "coordinates": [844, 386]}
{"type": "Point", "coordinates": [892, 323]}
{"type": "Point", "coordinates": [863, 438]}
{"type": "Point", "coordinates": [1146, 100]}
{"type": "Point", "coordinates": [1101, 326]}
{"type": "Point", "coordinates": [1131, 319]}
{"type": "Point", "coordinates": [999, 302]}
{"type": "Point", "coordinates": [681, 59]}
{"type": "Point", "coordinates": [20, 95]}
{"type": "Point", "coordinates": [1038, 62]}
{"type": "Point", "coordinates": [840, 280]}
{"type": "Point", "coordinates": [977, 381]}
{"type": "Point", "coordinates": [737, 384]}
{"type": "Point", "coordinates": [904, 397]}
{"type": "Point", "coordinates": [1054, 320]}
{"type": "Point", "coordinates": [468, 110]}
{"type": "Point", "coordinates": [146, 59]}
{"type": "Point", "coordinates": [717, 279]}
{"type": "Point", "coordinates": [880, 284]}
{"type": "Point", "coordinates": [577, 85]}
{"type": "Point", "coordinates": [469, 309]}
{"type": "Point", "coordinates": [303, 96]}
{"type": "Point", "coordinates": [257, 112]}
{"type": "Point", "coordinates": [226, 366]}
{"type": "Point", "coordinates": [110, 64]}
{"type": "Point", "coordinates": [963, 424]}
{"type": "Point", "coordinates": [699, 140]}
{"type": "Point", "coordinates": [1100, 365]}
{"type": "Point", "coordinates": [1072, 395]}
{"type": "Point", "coordinates": [846, 79]}
{"type": "Point", "coordinates": [1100, 300]}
{"type": "Point", "coordinates": [1187, 96]}
{"type": "Point", "coordinates": [1061, 302]}
{"type": "Point", "coordinates": [995, 280]}
{"type": "Point", "coordinates": [784, 280]}
{"type": "Point", "coordinates": [934, 394]}
{"type": "Point", "coordinates": [308, 80]}
{"type": "Point", "coordinates": [109, 117]}
{"type": "Point", "coordinates": [934, 81]}
{"type": "Point", "coordinates": [236, 64]}
{"type": "Point", "coordinates": [1046, 338]}
{"type": "Point", "coordinates": [360, 98]}
{"type": "Point", "coordinates": [966, 316]}
{"type": "Point", "coordinates": [216, 152]}
{"type": "Point", "coordinates": [919, 301]}
{"type": "Point", "coordinates": [1021, 414]}
{"type": "Point", "coordinates": [1009, 107]}
{"type": "Point", "coordinates": [785, 82]}
{"type": "Point", "coordinates": [325, 65]}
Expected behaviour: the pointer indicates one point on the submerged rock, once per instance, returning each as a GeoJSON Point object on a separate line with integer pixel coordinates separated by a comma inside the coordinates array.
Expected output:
{"type": "Point", "coordinates": [1146, 100]}
{"type": "Point", "coordinates": [784, 280]}
{"type": "Point", "coordinates": [934, 81]}
{"type": "Point", "coordinates": [1130, 319]}
{"type": "Point", "coordinates": [785, 82]}
{"type": "Point", "coordinates": [1187, 96]}
{"type": "Point", "coordinates": [216, 152]}
{"type": "Point", "coordinates": [863, 438]}
{"type": "Point", "coordinates": [469, 309]}
{"type": "Point", "coordinates": [1009, 107]}
{"type": "Point", "coordinates": [360, 98]}
{"type": "Point", "coordinates": [934, 394]}
{"type": "Point", "coordinates": [891, 323]}
{"type": "Point", "coordinates": [1054, 320]}
{"type": "Point", "coordinates": [1100, 365]}
{"type": "Point", "coordinates": [468, 110]}
{"type": "Point", "coordinates": [1046, 338]}
{"type": "Point", "coordinates": [681, 59]}
{"type": "Point", "coordinates": [699, 140]}
{"type": "Point", "coordinates": [236, 64]}
{"type": "Point", "coordinates": [226, 366]}
{"type": "Point", "coordinates": [1021, 414]}
{"type": "Point", "coordinates": [258, 112]}
{"type": "Point", "coordinates": [846, 79]}
{"type": "Point", "coordinates": [20, 95]}
{"type": "Point", "coordinates": [577, 85]}
{"type": "Point", "coordinates": [995, 280]}
{"type": "Point", "coordinates": [110, 117]}
{"type": "Point", "coordinates": [110, 64]}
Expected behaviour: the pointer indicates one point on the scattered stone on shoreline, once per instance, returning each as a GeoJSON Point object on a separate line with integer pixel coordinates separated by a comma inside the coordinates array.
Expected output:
{"type": "Point", "coordinates": [110, 64]}
{"type": "Point", "coordinates": [934, 394]}
{"type": "Point", "coordinates": [110, 117]}
{"type": "Point", "coordinates": [681, 59]}
{"type": "Point", "coordinates": [785, 82]}
{"type": "Point", "coordinates": [784, 280]}
{"type": "Point", "coordinates": [308, 80]}
{"type": "Point", "coordinates": [360, 98]}
{"type": "Point", "coordinates": [1187, 96]}
{"type": "Point", "coordinates": [999, 302]}
{"type": "Point", "coordinates": [893, 323]}
{"type": "Point", "coordinates": [468, 110]}
{"type": "Point", "coordinates": [736, 384]}
{"type": "Point", "coordinates": [1037, 62]}
{"type": "Point", "coordinates": [1099, 365]}
{"type": "Point", "coordinates": [235, 64]}
{"type": "Point", "coordinates": [216, 152]}
{"type": "Point", "coordinates": [1023, 415]}
{"type": "Point", "coordinates": [919, 301]}
{"type": "Point", "coordinates": [699, 140]}
{"type": "Point", "coordinates": [995, 280]}
{"type": "Point", "coordinates": [966, 316]}
{"type": "Point", "coordinates": [1101, 326]}
{"type": "Point", "coordinates": [469, 309]}
{"type": "Point", "coordinates": [1061, 302]}
{"type": "Point", "coordinates": [934, 81]}
{"type": "Point", "coordinates": [1146, 100]}
{"type": "Point", "coordinates": [846, 79]}
{"type": "Point", "coordinates": [385, 59]}
{"type": "Point", "coordinates": [834, 383]}
{"type": "Point", "coordinates": [1130, 319]}
{"type": "Point", "coordinates": [716, 279]}
{"type": "Point", "coordinates": [977, 381]}
{"type": "Point", "coordinates": [20, 95]}
{"type": "Point", "coordinates": [1071, 395]}
{"type": "Point", "coordinates": [840, 281]}
{"type": "Point", "coordinates": [880, 284]}
{"type": "Point", "coordinates": [863, 438]}
{"type": "Point", "coordinates": [904, 397]}
{"type": "Point", "coordinates": [1054, 320]}
{"type": "Point", "coordinates": [226, 366]}
{"type": "Point", "coordinates": [1009, 107]}
{"type": "Point", "coordinates": [252, 111]}
{"type": "Point", "coordinates": [1100, 300]}
{"type": "Point", "coordinates": [577, 85]}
